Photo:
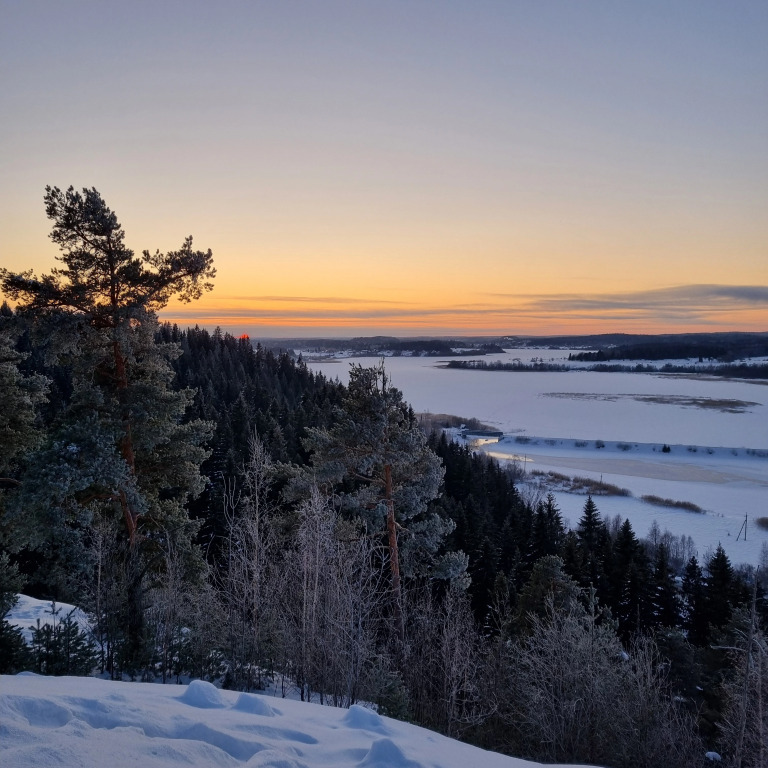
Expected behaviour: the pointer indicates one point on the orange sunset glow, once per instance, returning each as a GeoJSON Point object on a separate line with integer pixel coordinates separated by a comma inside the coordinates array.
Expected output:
{"type": "Point", "coordinates": [466, 169]}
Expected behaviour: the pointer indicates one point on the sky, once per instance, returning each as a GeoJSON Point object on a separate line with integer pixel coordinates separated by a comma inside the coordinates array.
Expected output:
{"type": "Point", "coordinates": [409, 168]}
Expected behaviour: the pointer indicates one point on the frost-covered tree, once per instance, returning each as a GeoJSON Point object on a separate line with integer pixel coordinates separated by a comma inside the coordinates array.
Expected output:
{"type": "Point", "coordinates": [579, 696]}
{"type": "Point", "coordinates": [377, 459]}
{"type": "Point", "coordinates": [249, 549]}
{"type": "Point", "coordinates": [331, 605]}
{"type": "Point", "coordinates": [446, 671]}
{"type": "Point", "coordinates": [744, 726]}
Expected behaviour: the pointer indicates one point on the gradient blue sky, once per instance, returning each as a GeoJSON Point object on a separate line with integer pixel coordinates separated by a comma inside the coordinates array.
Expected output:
{"type": "Point", "coordinates": [408, 167]}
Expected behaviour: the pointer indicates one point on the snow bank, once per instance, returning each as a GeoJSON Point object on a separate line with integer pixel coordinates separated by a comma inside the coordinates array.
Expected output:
{"type": "Point", "coordinates": [27, 611]}
{"type": "Point", "coordinates": [88, 722]}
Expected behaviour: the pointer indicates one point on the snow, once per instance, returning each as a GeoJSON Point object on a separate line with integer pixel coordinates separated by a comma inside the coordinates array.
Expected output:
{"type": "Point", "coordinates": [631, 407]}
{"type": "Point", "coordinates": [726, 483]}
{"type": "Point", "coordinates": [84, 722]}
{"type": "Point", "coordinates": [28, 611]}
{"type": "Point", "coordinates": [717, 430]}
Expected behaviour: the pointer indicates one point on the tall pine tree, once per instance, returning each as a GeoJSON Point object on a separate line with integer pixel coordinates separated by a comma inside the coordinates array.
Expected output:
{"type": "Point", "coordinates": [120, 450]}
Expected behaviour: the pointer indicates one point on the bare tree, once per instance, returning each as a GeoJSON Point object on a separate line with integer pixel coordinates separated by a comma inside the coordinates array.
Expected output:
{"type": "Point", "coordinates": [745, 722]}
{"type": "Point", "coordinates": [244, 587]}
{"type": "Point", "coordinates": [332, 592]}
{"type": "Point", "coordinates": [581, 697]}
{"type": "Point", "coordinates": [447, 663]}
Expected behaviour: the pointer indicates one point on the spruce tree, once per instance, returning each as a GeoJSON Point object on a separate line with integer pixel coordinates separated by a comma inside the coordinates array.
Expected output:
{"type": "Point", "coordinates": [694, 609]}
{"type": "Point", "coordinates": [719, 588]}
{"type": "Point", "coordinates": [547, 531]}
{"type": "Point", "coordinates": [19, 397]}
{"type": "Point", "coordinates": [665, 600]}
{"type": "Point", "coordinates": [61, 647]}
{"type": "Point", "coordinates": [629, 587]}
{"type": "Point", "coordinates": [592, 538]}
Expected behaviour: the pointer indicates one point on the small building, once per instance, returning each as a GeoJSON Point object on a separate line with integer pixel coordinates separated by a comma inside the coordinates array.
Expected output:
{"type": "Point", "coordinates": [477, 437]}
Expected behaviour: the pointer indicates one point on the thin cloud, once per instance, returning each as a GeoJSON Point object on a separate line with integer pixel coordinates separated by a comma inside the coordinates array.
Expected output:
{"type": "Point", "coordinates": [704, 297]}
{"type": "Point", "coordinates": [688, 305]}
{"type": "Point", "coordinates": [316, 300]}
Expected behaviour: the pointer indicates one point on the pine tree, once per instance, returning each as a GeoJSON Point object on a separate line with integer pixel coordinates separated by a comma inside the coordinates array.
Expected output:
{"type": "Point", "coordinates": [121, 448]}
{"type": "Point", "coordinates": [106, 298]}
{"type": "Point", "coordinates": [377, 456]}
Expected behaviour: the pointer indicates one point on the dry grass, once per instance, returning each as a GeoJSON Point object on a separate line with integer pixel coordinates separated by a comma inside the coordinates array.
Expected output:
{"type": "Point", "coordinates": [658, 501]}
{"type": "Point", "coordinates": [580, 485]}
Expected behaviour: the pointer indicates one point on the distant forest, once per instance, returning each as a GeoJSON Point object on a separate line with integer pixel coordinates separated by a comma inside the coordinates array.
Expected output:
{"type": "Point", "coordinates": [723, 346]}
{"type": "Point", "coordinates": [733, 370]}
{"type": "Point", "coordinates": [727, 347]}
{"type": "Point", "coordinates": [390, 346]}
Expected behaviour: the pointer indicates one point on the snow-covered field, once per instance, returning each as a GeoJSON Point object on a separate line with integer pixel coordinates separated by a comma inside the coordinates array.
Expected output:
{"type": "Point", "coordinates": [88, 722]}
{"type": "Point", "coordinates": [717, 431]}
{"type": "Point", "coordinates": [726, 483]}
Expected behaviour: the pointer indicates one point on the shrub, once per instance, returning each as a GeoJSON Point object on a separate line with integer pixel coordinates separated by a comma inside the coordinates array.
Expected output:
{"type": "Point", "coordinates": [61, 648]}
{"type": "Point", "coordinates": [658, 501]}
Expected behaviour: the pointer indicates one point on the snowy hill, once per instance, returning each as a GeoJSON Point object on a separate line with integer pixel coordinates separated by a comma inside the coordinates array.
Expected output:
{"type": "Point", "coordinates": [84, 722]}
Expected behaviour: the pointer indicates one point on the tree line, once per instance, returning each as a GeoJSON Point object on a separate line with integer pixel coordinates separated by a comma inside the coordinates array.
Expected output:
{"type": "Point", "coordinates": [222, 512]}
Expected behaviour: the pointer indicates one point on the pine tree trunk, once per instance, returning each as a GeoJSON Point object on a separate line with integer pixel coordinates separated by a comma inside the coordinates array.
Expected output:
{"type": "Point", "coordinates": [126, 441]}
{"type": "Point", "coordinates": [394, 557]}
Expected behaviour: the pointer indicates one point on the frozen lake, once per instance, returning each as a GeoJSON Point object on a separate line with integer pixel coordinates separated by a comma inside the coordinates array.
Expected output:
{"type": "Point", "coordinates": [637, 407]}
{"type": "Point", "coordinates": [644, 411]}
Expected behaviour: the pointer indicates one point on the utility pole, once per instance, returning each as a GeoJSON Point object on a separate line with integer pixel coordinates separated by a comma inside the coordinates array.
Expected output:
{"type": "Point", "coordinates": [743, 528]}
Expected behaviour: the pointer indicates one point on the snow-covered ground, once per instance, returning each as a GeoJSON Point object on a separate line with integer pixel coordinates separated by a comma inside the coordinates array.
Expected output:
{"type": "Point", "coordinates": [28, 611]}
{"type": "Point", "coordinates": [717, 430]}
{"type": "Point", "coordinates": [84, 722]}
{"type": "Point", "coordinates": [631, 407]}
{"type": "Point", "coordinates": [726, 483]}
